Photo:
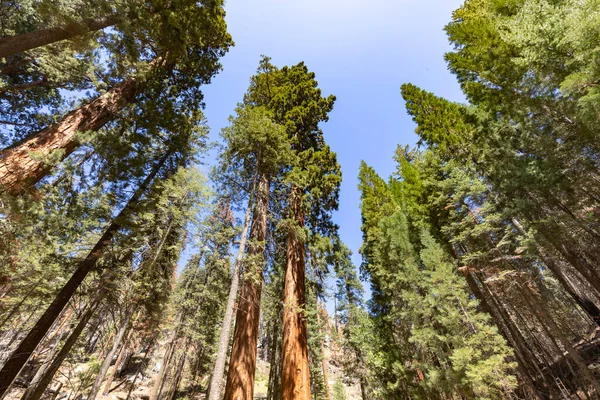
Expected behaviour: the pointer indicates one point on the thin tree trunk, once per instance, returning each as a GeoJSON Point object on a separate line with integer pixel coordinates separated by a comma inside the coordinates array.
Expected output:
{"type": "Point", "coordinates": [583, 301]}
{"type": "Point", "coordinates": [158, 384]}
{"type": "Point", "coordinates": [125, 324]}
{"type": "Point", "coordinates": [511, 333]}
{"type": "Point", "coordinates": [216, 382]}
{"type": "Point", "coordinates": [295, 373]}
{"type": "Point", "coordinates": [40, 383]}
{"type": "Point", "coordinates": [16, 307]}
{"type": "Point", "coordinates": [13, 366]}
{"type": "Point", "coordinates": [12, 45]}
{"type": "Point", "coordinates": [242, 365]}
{"type": "Point", "coordinates": [178, 374]}
{"type": "Point", "coordinates": [324, 359]}
{"type": "Point", "coordinates": [140, 368]}
{"type": "Point", "coordinates": [547, 320]}
{"type": "Point", "coordinates": [273, 391]}
{"type": "Point", "coordinates": [21, 166]}
{"type": "Point", "coordinates": [111, 376]}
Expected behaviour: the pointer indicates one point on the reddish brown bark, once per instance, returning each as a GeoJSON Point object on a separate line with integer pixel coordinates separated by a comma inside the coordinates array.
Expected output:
{"type": "Point", "coordinates": [295, 374]}
{"type": "Point", "coordinates": [12, 45]}
{"type": "Point", "coordinates": [242, 366]}
{"type": "Point", "coordinates": [20, 166]}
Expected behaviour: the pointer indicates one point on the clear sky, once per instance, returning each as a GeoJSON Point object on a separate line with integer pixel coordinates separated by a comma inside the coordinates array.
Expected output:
{"type": "Point", "coordinates": [361, 51]}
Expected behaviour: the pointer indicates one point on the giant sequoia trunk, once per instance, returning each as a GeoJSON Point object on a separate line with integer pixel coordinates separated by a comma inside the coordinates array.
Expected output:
{"type": "Point", "coordinates": [21, 166]}
{"type": "Point", "coordinates": [216, 382]}
{"type": "Point", "coordinates": [295, 373]}
{"type": "Point", "coordinates": [242, 365]}
{"type": "Point", "coordinates": [15, 363]}
{"type": "Point", "coordinates": [12, 45]}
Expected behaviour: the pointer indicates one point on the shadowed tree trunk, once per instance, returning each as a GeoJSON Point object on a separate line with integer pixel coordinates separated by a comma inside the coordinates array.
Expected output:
{"type": "Point", "coordinates": [295, 373]}
{"type": "Point", "coordinates": [15, 363]}
{"type": "Point", "coordinates": [216, 381]}
{"type": "Point", "coordinates": [20, 164]}
{"type": "Point", "coordinates": [242, 365]}
{"type": "Point", "coordinates": [12, 45]}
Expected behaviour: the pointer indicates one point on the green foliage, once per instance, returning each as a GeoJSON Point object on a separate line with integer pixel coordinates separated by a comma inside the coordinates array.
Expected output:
{"type": "Point", "coordinates": [339, 390]}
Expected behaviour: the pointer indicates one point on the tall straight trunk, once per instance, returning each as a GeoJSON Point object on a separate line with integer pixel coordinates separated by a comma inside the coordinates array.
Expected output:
{"type": "Point", "coordinates": [324, 358]}
{"type": "Point", "coordinates": [242, 365]}
{"type": "Point", "coordinates": [15, 363]}
{"type": "Point", "coordinates": [295, 373]}
{"type": "Point", "coordinates": [273, 390]}
{"type": "Point", "coordinates": [525, 358]}
{"type": "Point", "coordinates": [216, 381]}
{"type": "Point", "coordinates": [44, 377]}
{"type": "Point", "coordinates": [21, 166]}
{"type": "Point", "coordinates": [125, 324]}
{"type": "Point", "coordinates": [12, 45]}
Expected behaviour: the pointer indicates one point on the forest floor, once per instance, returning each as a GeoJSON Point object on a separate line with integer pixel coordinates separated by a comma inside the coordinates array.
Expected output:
{"type": "Point", "coordinates": [74, 380]}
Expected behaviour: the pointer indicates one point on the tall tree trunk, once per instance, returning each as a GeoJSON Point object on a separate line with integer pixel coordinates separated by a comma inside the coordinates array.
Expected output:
{"type": "Point", "coordinates": [540, 311]}
{"type": "Point", "coordinates": [216, 382]}
{"type": "Point", "coordinates": [242, 365]}
{"type": "Point", "coordinates": [295, 373]}
{"type": "Point", "coordinates": [44, 377]}
{"type": "Point", "coordinates": [20, 165]}
{"type": "Point", "coordinates": [111, 376]}
{"type": "Point", "coordinates": [273, 390]}
{"type": "Point", "coordinates": [178, 373]}
{"type": "Point", "coordinates": [140, 368]}
{"type": "Point", "coordinates": [15, 363]}
{"type": "Point", "coordinates": [582, 300]}
{"type": "Point", "coordinates": [158, 384]}
{"type": "Point", "coordinates": [12, 45]}
{"type": "Point", "coordinates": [324, 358]}
{"type": "Point", "coordinates": [125, 324]}
{"type": "Point", "coordinates": [524, 356]}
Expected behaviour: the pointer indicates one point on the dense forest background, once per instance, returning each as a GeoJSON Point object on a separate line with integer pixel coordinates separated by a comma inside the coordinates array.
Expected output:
{"type": "Point", "coordinates": [140, 259]}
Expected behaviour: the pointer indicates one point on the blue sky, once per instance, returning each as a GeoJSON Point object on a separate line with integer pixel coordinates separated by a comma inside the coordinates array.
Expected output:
{"type": "Point", "coordinates": [361, 51]}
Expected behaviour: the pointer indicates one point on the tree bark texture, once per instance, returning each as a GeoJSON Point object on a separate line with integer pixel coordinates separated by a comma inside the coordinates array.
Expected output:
{"type": "Point", "coordinates": [12, 45]}
{"type": "Point", "coordinates": [242, 365]}
{"type": "Point", "coordinates": [21, 165]}
{"type": "Point", "coordinates": [216, 382]}
{"type": "Point", "coordinates": [295, 373]}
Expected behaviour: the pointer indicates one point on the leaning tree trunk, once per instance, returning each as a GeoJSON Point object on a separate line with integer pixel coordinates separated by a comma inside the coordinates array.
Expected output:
{"type": "Point", "coordinates": [242, 365]}
{"type": "Point", "coordinates": [295, 373]}
{"type": "Point", "coordinates": [19, 358]}
{"type": "Point", "coordinates": [21, 165]}
{"type": "Point", "coordinates": [216, 382]}
{"type": "Point", "coordinates": [40, 383]}
{"type": "Point", "coordinates": [540, 312]}
{"type": "Point", "coordinates": [12, 45]}
{"type": "Point", "coordinates": [125, 324]}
